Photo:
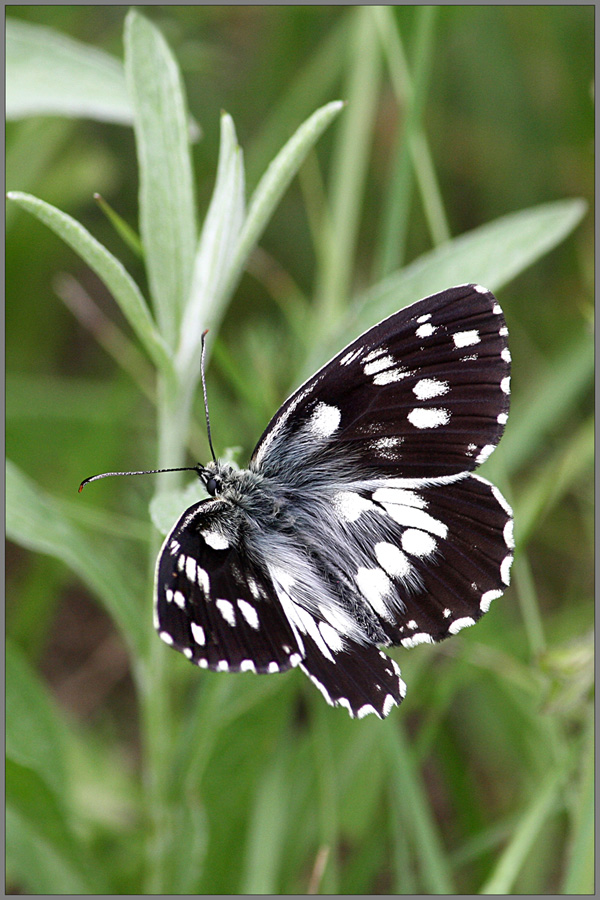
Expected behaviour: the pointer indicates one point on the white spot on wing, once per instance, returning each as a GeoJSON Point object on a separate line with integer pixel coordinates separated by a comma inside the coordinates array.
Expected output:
{"type": "Point", "coordinates": [424, 331]}
{"type": "Point", "coordinates": [392, 559]}
{"type": "Point", "coordinates": [203, 580]}
{"type": "Point", "coordinates": [428, 418]}
{"type": "Point", "coordinates": [365, 711]}
{"type": "Point", "coordinates": [249, 613]}
{"type": "Point", "coordinates": [415, 518]}
{"type": "Point", "coordinates": [227, 611]}
{"type": "Point", "coordinates": [179, 599]}
{"type": "Point", "coordinates": [466, 338]}
{"type": "Point", "coordinates": [373, 365]}
{"type": "Point", "coordinates": [247, 665]}
{"type": "Point", "coordinates": [391, 375]}
{"type": "Point", "coordinates": [505, 385]}
{"type": "Point", "coordinates": [350, 505]}
{"type": "Point", "coordinates": [198, 634]}
{"type": "Point", "coordinates": [505, 354]}
{"type": "Point", "coordinates": [374, 585]}
{"type": "Point", "coordinates": [190, 568]}
{"type": "Point", "coordinates": [509, 539]}
{"type": "Point", "coordinates": [420, 638]}
{"type": "Point", "coordinates": [487, 598]}
{"type": "Point", "coordinates": [484, 453]}
{"type": "Point", "coordinates": [505, 569]}
{"type": "Point", "coordinates": [215, 540]}
{"type": "Point", "coordinates": [331, 637]}
{"type": "Point", "coordinates": [325, 420]}
{"type": "Point", "coordinates": [502, 418]}
{"type": "Point", "coordinates": [166, 637]}
{"type": "Point", "coordinates": [349, 357]}
{"type": "Point", "coordinates": [426, 388]}
{"type": "Point", "coordinates": [388, 704]}
{"type": "Point", "coordinates": [418, 543]}
{"type": "Point", "coordinates": [459, 624]}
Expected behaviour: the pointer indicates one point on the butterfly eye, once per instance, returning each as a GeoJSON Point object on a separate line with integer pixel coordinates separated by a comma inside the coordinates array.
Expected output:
{"type": "Point", "coordinates": [213, 485]}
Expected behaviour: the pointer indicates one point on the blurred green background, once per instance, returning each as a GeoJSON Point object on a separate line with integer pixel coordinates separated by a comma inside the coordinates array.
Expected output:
{"type": "Point", "coordinates": [483, 779]}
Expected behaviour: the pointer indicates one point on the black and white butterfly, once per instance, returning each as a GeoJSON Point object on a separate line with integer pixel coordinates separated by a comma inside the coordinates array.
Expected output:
{"type": "Point", "coordinates": [357, 524]}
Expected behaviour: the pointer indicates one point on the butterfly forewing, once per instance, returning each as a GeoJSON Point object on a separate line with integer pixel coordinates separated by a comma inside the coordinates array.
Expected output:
{"type": "Point", "coordinates": [422, 394]}
{"type": "Point", "coordinates": [358, 523]}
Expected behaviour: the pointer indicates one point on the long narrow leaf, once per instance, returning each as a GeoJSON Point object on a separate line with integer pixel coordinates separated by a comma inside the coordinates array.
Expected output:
{"type": "Point", "coordinates": [273, 184]}
{"type": "Point", "coordinates": [108, 268]}
{"type": "Point", "coordinates": [220, 233]}
{"type": "Point", "coordinates": [491, 255]}
{"type": "Point", "coordinates": [34, 521]}
{"type": "Point", "coordinates": [167, 197]}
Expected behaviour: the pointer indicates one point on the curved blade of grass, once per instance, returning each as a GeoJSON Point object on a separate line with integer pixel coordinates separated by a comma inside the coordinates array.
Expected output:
{"type": "Point", "coordinates": [108, 268]}
{"type": "Point", "coordinates": [220, 233]}
{"type": "Point", "coordinates": [273, 184]}
{"type": "Point", "coordinates": [167, 197]}
{"type": "Point", "coordinates": [48, 73]}
{"type": "Point", "coordinates": [34, 521]}
{"type": "Point", "coordinates": [491, 255]}
{"type": "Point", "coordinates": [502, 880]}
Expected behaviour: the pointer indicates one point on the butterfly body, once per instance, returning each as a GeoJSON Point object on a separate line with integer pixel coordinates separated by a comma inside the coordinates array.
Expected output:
{"type": "Point", "coordinates": [357, 524]}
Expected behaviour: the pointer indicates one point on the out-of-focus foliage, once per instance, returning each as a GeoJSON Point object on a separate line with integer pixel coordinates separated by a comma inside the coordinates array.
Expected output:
{"type": "Point", "coordinates": [128, 771]}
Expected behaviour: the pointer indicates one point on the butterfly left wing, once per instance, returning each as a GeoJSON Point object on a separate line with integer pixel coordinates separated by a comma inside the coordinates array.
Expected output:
{"type": "Point", "coordinates": [212, 603]}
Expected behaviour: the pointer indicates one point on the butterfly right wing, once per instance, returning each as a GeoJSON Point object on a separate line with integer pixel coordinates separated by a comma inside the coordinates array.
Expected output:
{"type": "Point", "coordinates": [213, 604]}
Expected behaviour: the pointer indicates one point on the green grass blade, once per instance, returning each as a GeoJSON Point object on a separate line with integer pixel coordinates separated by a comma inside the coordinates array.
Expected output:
{"type": "Point", "coordinates": [313, 84]}
{"type": "Point", "coordinates": [167, 195]}
{"type": "Point", "coordinates": [408, 797]}
{"type": "Point", "coordinates": [267, 832]}
{"type": "Point", "coordinates": [108, 268]}
{"type": "Point", "coordinates": [349, 167]}
{"type": "Point", "coordinates": [579, 875]}
{"type": "Point", "coordinates": [503, 878]}
{"type": "Point", "coordinates": [410, 95]}
{"type": "Point", "coordinates": [34, 521]}
{"type": "Point", "coordinates": [273, 184]}
{"type": "Point", "coordinates": [48, 73]}
{"type": "Point", "coordinates": [220, 232]}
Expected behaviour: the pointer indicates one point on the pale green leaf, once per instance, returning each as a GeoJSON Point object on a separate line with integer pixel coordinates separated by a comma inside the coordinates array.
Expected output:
{"type": "Point", "coordinates": [108, 268]}
{"type": "Point", "coordinates": [48, 73]}
{"type": "Point", "coordinates": [273, 184]}
{"type": "Point", "coordinates": [491, 255]}
{"type": "Point", "coordinates": [220, 232]}
{"type": "Point", "coordinates": [167, 204]}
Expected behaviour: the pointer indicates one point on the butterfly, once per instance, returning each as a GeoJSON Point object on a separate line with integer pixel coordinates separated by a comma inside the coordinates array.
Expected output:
{"type": "Point", "coordinates": [358, 524]}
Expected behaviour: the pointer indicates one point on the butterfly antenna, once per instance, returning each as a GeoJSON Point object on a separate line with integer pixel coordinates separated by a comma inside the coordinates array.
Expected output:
{"type": "Point", "coordinates": [198, 469]}
{"type": "Point", "coordinates": [202, 357]}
